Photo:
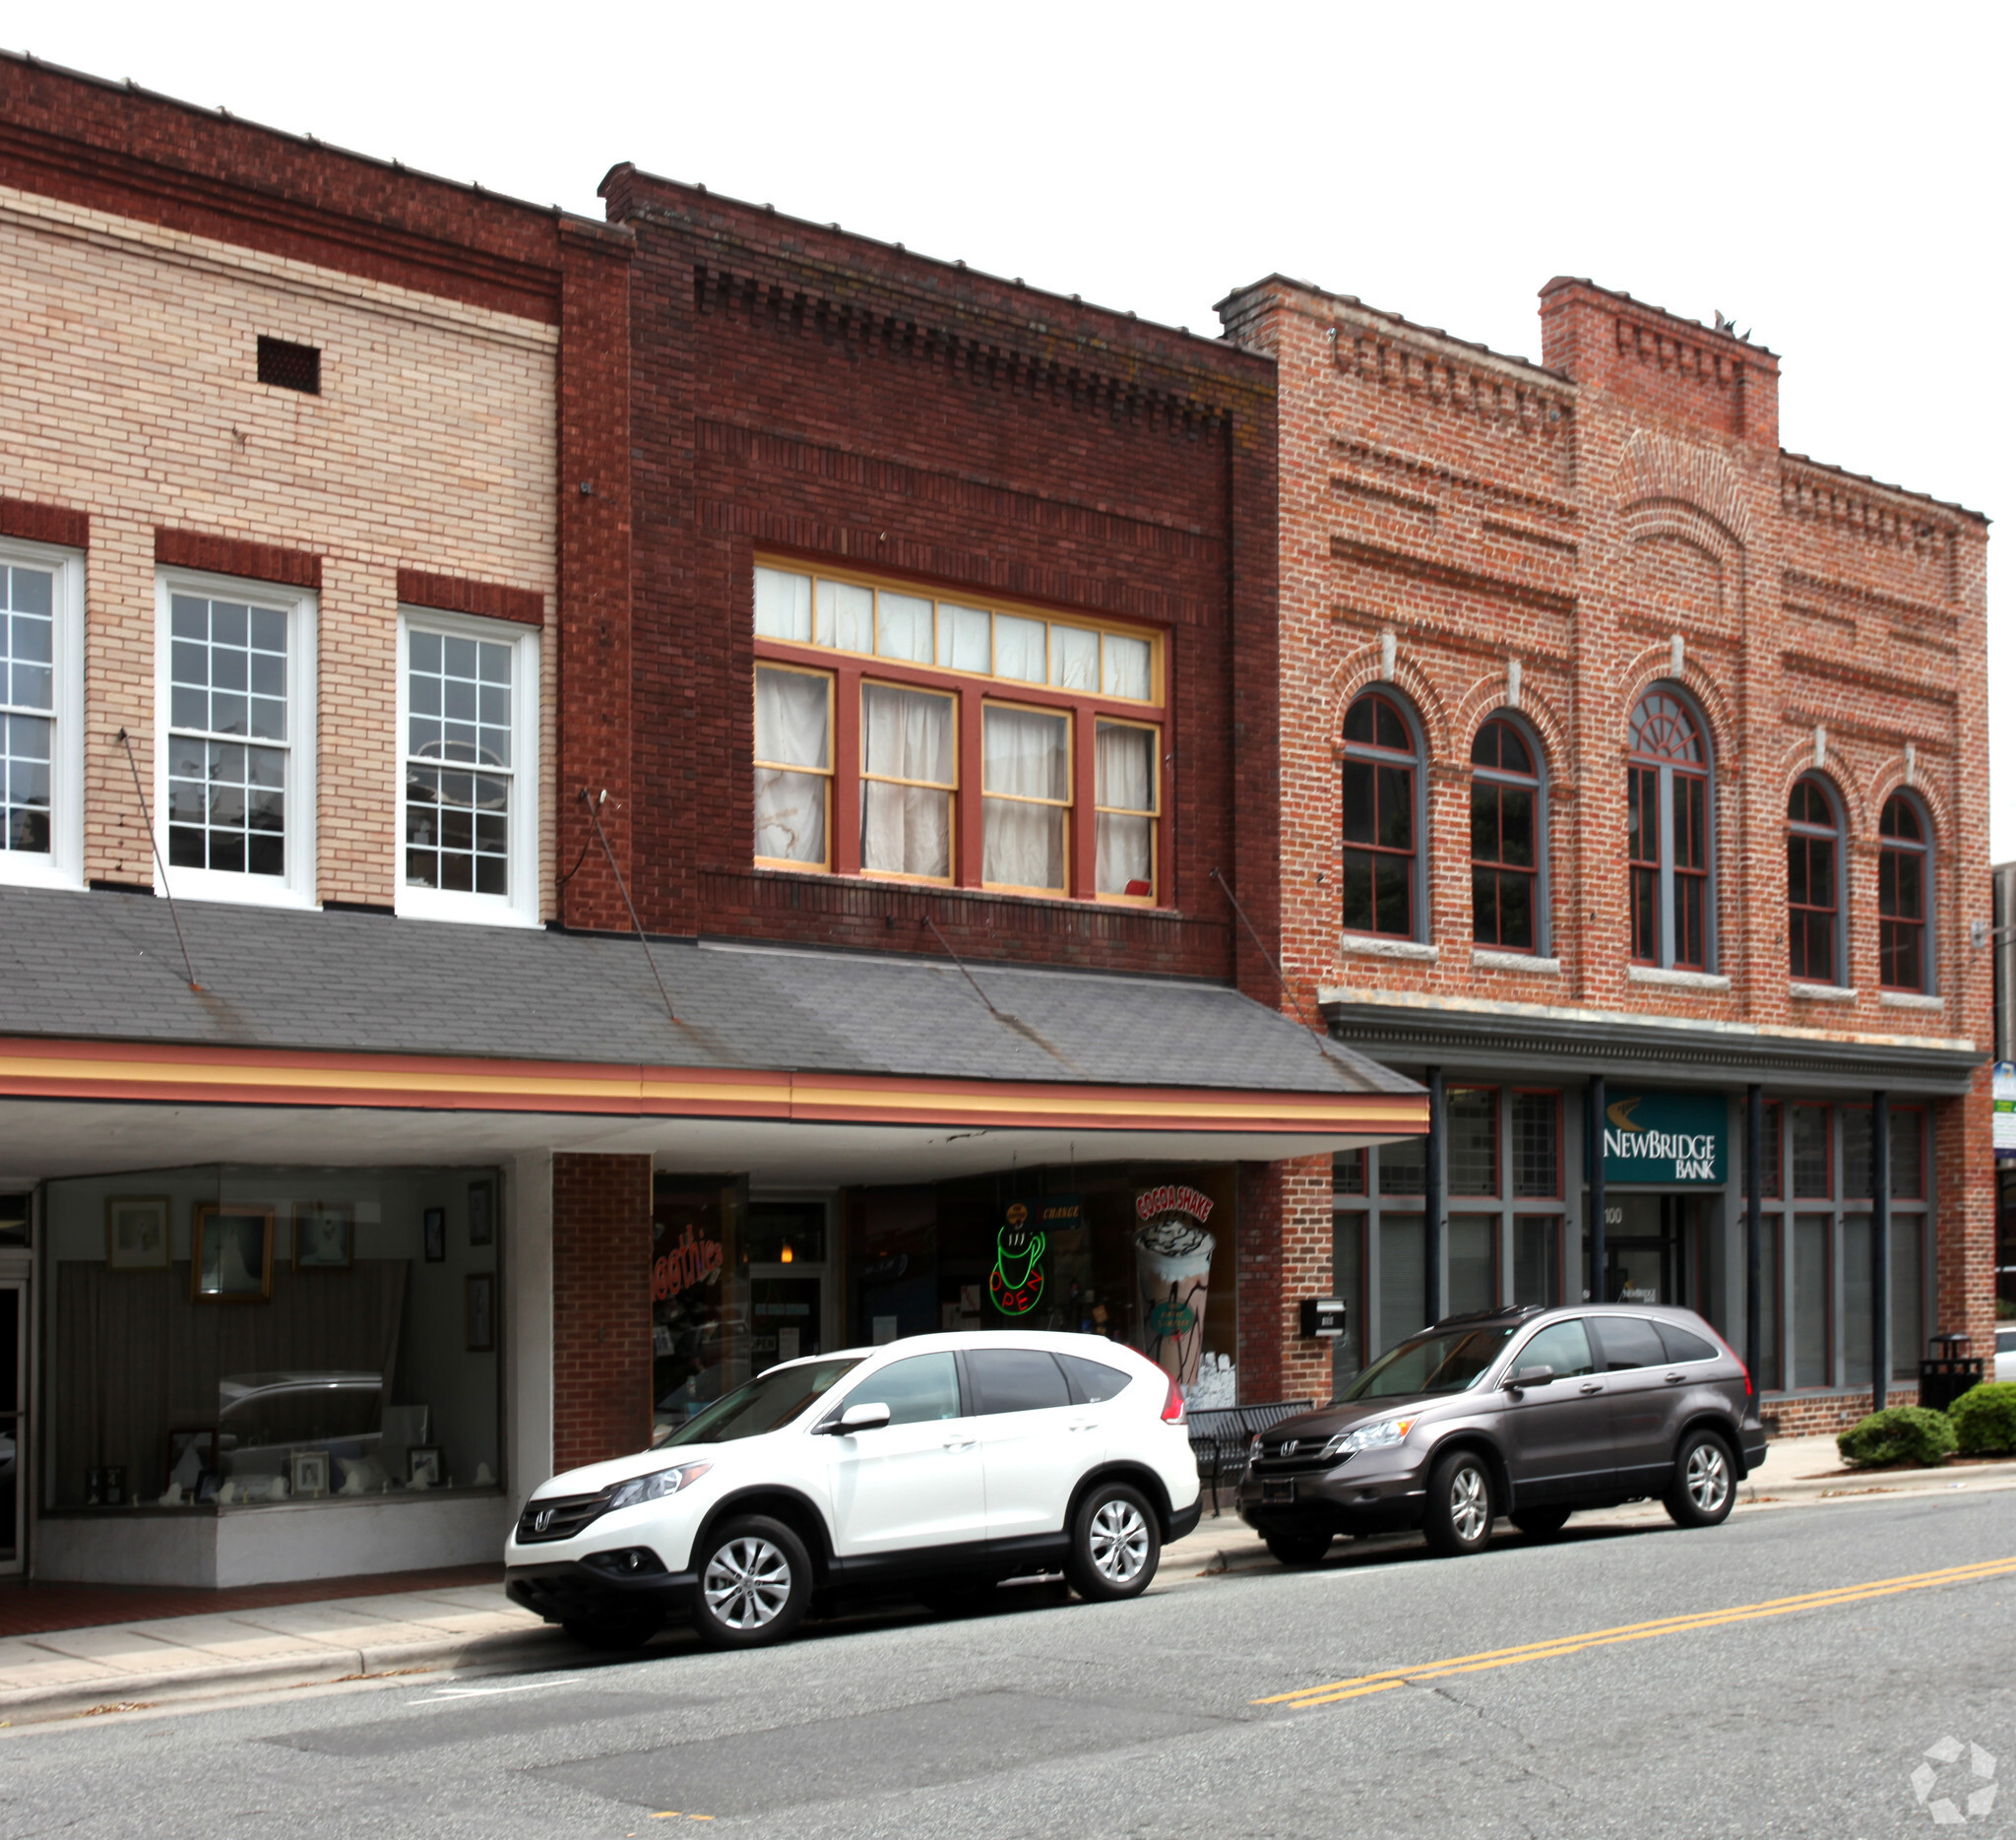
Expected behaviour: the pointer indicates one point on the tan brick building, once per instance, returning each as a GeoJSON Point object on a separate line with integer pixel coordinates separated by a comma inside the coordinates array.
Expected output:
{"type": "Point", "coordinates": [1625, 754]}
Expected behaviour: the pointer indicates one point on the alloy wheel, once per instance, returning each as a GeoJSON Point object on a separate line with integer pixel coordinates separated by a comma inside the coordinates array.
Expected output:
{"type": "Point", "coordinates": [1470, 1502]}
{"type": "Point", "coordinates": [1707, 1475]}
{"type": "Point", "coordinates": [747, 1582]}
{"type": "Point", "coordinates": [1119, 1541]}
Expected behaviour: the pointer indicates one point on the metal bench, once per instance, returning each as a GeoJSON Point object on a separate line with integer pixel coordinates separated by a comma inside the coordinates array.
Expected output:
{"type": "Point", "coordinates": [1219, 1437]}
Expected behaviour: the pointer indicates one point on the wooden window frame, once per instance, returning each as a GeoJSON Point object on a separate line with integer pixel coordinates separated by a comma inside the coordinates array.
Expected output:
{"type": "Point", "coordinates": [1500, 781]}
{"type": "Point", "coordinates": [1673, 877]}
{"type": "Point", "coordinates": [1803, 833]}
{"type": "Point", "coordinates": [865, 779]}
{"type": "Point", "coordinates": [1067, 805]}
{"type": "Point", "coordinates": [1898, 849]}
{"type": "Point", "coordinates": [1374, 755]}
{"type": "Point", "coordinates": [1153, 814]}
{"type": "Point", "coordinates": [830, 772]}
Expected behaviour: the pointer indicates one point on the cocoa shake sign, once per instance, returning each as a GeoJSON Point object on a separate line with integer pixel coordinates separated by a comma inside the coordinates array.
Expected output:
{"type": "Point", "coordinates": [1172, 1271]}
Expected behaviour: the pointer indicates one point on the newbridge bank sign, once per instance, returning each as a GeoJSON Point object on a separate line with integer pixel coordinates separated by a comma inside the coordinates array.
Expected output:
{"type": "Point", "coordinates": [1666, 1138]}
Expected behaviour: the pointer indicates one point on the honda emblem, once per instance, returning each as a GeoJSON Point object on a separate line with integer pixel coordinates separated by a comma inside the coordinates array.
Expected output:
{"type": "Point", "coordinates": [543, 1520]}
{"type": "Point", "coordinates": [1292, 1446]}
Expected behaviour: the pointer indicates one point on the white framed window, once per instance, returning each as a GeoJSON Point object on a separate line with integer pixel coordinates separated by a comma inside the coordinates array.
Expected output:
{"type": "Point", "coordinates": [234, 771]}
{"type": "Point", "coordinates": [468, 725]}
{"type": "Point", "coordinates": [41, 716]}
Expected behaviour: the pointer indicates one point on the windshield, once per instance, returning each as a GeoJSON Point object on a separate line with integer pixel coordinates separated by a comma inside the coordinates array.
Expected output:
{"type": "Point", "coordinates": [1432, 1364]}
{"type": "Point", "coordinates": [763, 1404]}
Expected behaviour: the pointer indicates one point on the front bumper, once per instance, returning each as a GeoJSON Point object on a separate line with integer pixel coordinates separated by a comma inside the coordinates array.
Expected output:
{"type": "Point", "coordinates": [567, 1591]}
{"type": "Point", "coordinates": [1355, 1496]}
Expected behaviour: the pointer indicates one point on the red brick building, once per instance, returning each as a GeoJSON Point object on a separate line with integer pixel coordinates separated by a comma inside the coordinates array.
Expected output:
{"type": "Point", "coordinates": [1628, 757]}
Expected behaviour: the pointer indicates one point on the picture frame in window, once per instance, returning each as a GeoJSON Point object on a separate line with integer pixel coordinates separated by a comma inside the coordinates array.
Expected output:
{"type": "Point", "coordinates": [307, 1474]}
{"type": "Point", "coordinates": [423, 1466]}
{"type": "Point", "coordinates": [479, 1312]}
{"type": "Point", "coordinates": [325, 1235]}
{"type": "Point", "coordinates": [230, 1254]}
{"type": "Point", "coordinates": [483, 1214]}
{"type": "Point", "coordinates": [434, 1235]}
{"type": "Point", "coordinates": [137, 1233]}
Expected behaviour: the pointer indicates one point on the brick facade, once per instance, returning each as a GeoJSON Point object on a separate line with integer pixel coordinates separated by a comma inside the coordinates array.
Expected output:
{"type": "Point", "coordinates": [601, 1308]}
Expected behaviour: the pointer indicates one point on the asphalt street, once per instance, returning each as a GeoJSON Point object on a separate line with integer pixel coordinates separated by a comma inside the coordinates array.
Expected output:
{"type": "Point", "coordinates": [1384, 1694]}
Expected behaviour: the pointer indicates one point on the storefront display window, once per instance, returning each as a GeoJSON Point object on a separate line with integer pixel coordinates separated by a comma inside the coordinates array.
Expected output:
{"type": "Point", "coordinates": [702, 1332]}
{"type": "Point", "coordinates": [246, 1336]}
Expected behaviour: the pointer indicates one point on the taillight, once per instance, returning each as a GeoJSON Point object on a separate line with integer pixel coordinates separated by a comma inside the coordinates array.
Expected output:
{"type": "Point", "coordinates": [1750, 1385]}
{"type": "Point", "coordinates": [1173, 1406]}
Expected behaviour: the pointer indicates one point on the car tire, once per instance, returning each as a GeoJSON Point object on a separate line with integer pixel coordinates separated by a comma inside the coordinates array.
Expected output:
{"type": "Point", "coordinates": [1704, 1484]}
{"type": "Point", "coordinates": [755, 1583]}
{"type": "Point", "coordinates": [614, 1636]}
{"type": "Point", "coordinates": [1115, 1544]}
{"type": "Point", "coordinates": [1459, 1511]}
{"type": "Point", "coordinates": [1540, 1523]}
{"type": "Point", "coordinates": [1297, 1548]}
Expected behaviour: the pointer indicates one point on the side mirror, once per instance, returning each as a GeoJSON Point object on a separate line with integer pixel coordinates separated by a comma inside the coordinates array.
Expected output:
{"type": "Point", "coordinates": [1531, 1376]}
{"type": "Point", "coordinates": [865, 1418]}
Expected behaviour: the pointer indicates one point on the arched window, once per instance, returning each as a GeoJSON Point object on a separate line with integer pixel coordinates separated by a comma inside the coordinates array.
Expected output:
{"type": "Point", "coordinates": [1381, 818]}
{"type": "Point", "coordinates": [1667, 823]}
{"type": "Point", "coordinates": [1505, 843]}
{"type": "Point", "coordinates": [1902, 886]}
{"type": "Point", "coordinates": [1812, 875]}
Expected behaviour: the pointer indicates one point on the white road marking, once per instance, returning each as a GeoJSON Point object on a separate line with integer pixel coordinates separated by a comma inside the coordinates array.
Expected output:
{"type": "Point", "coordinates": [482, 1692]}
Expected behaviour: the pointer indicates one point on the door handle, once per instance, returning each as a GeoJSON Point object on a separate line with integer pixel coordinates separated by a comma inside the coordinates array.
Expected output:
{"type": "Point", "coordinates": [1673, 1379]}
{"type": "Point", "coordinates": [1592, 1387]}
{"type": "Point", "coordinates": [959, 1444]}
{"type": "Point", "coordinates": [1086, 1424]}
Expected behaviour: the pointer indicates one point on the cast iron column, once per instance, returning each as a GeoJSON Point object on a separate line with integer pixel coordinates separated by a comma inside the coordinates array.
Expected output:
{"type": "Point", "coordinates": [1879, 1252]}
{"type": "Point", "coordinates": [1596, 1102]}
{"type": "Point", "coordinates": [1754, 1248]}
{"type": "Point", "coordinates": [1432, 1227]}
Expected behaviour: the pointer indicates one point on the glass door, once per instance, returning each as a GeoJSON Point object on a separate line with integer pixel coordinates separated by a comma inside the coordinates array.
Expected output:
{"type": "Point", "coordinates": [13, 1418]}
{"type": "Point", "coordinates": [788, 1281]}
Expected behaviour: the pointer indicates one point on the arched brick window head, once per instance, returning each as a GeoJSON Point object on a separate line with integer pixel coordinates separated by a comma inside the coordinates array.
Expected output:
{"type": "Point", "coordinates": [1667, 824]}
{"type": "Point", "coordinates": [1504, 840]}
{"type": "Point", "coordinates": [1381, 789]}
{"type": "Point", "coordinates": [1813, 874]}
{"type": "Point", "coordinates": [1903, 872]}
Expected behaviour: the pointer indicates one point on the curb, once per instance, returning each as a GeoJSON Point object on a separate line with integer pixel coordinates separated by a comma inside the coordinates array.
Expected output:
{"type": "Point", "coordinates": [1757, 1485]}
{"type": "Point", "coordinates": [277, 1671]}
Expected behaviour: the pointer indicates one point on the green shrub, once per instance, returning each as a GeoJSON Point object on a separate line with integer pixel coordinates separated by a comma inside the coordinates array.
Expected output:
{"type": "Point", "coordinates": [1985, 1419]}
{"type": "Point", "coordinates": [1903, 1433]}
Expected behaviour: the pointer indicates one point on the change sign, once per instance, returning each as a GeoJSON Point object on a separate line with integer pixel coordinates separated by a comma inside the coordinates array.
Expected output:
{"type": "Point", "coordinates": [1666, 1137]}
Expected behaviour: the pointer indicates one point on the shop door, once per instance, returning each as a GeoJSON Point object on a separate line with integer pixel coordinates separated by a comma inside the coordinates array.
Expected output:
{"type": "Point", "coordinates": [788, 1281]}
{"type": "Point", "coordinates": [13, 1419]}
{"type": "Point", "coordinates": [1647, 1250]}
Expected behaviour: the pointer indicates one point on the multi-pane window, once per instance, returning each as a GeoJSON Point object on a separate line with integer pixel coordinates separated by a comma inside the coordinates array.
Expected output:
{"type": "Point", "coordinates": [1812, 1152]}
{"type": "Point", "coordinates": [1812, 850]}
{"type": "Point", "coordinates": [1906, 1154]}
{"type": "Point", "coordinates": [912, 763]}
{"type": "Point", "coordinates": [1668, 835]}
{"type": "Point", "coordinates": [1773, 1159]}
{"type": "Point", "coordinates": [1902, 876]}
{"type": "Point", "coordinates": [27, 709]}
{"type": "Point", "coordinates": [1504, 839]}
{"type": "Point", "coordinates": [1471, 1120]}
{"type": "Point", "coordinates": [230, 662]}
{"type": "Point", "coordinates": [458, 764]}
{"type": "Point", "coordinates": [1381, 765]}
{"type": "Point", "coordinates": [1535, 1145]}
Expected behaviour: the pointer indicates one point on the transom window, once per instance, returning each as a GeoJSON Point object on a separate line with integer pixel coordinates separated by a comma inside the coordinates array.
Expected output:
{"type": "Point", "coordinates": [971, 746]}
{"type": "Point", "coordinates": [1813, 850]}
{"type": "Point", "coordinates": [1381, 793]}
{"type": "Point", "coordinates": [1667, 825]}
{"type": "Point", "coordinates": [1504, 840]}
{"type": "Point", "coordinates": [1903, 878]}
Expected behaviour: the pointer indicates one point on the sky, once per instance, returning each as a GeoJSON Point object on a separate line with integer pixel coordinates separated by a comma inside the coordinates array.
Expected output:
{"type": "Point", "coordinates": [1836, 178]}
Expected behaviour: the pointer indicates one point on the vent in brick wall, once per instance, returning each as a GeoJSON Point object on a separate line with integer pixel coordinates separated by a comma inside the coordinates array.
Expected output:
{"type": "Point", "coordinates": [288, 366]}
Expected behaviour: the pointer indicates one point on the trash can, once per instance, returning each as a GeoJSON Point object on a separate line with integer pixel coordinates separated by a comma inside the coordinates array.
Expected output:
{"type": "Point", "coordinates": [1947, 1371]}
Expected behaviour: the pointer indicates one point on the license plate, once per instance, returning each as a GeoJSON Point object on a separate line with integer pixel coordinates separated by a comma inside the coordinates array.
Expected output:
{"type": "Point", "coordinates": [1276, 1494]}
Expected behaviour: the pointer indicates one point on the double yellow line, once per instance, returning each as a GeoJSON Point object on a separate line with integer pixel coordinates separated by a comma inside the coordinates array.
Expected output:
{"type": "Point", "coordinates": [1384, 1683]}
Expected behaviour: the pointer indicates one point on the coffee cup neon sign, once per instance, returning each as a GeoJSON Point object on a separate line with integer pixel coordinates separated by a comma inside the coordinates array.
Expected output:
{"type": "Point", "coordinates": [1017, 1281]}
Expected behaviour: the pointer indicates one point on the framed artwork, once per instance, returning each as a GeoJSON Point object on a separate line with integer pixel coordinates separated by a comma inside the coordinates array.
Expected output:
{"type": "Point", "coordinates": [423, 1464]}
{"type": "Point", "coordinates": [325, 1235]}
{"type": "Point", "coordinates": [482, 1218]}
{"type": "Point", "coordinates": [230, 1254]}
{"type": "Point", "coordinates": [435, 1233]}
{"type": "Point", "coordinates": [308, 1472]}
{"type": "Point", "coordinates": [137, 1233]}
{"type": "Point", "coordinates": [479, 1312]}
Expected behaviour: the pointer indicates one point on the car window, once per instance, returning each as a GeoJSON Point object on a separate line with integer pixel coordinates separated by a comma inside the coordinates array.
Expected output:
{"type": "Point", "coordinates": [1091, 1380]}
{"type": "Point", "coordinates": [760, 1405]}
{"type": "Point", "coordinates": [1629, 1342]}
{"type": "Point", "coordinates": [2005, 1341]}
{"type": "Point", "coordinates": [1561, 1346]}
{"type": "Point", "coordinates": [1016, 1379]}
{"type": "Point", "coordinates": [1442, 1361]}
{"type": "Point", "coordinates": [1684, 1344]}
{"type": "Point", "coordinates": [923, 1387]}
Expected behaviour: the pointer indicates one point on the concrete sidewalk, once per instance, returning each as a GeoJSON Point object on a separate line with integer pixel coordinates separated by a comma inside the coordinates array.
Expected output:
{"type": "Point", "coordinates": [63, 1673]}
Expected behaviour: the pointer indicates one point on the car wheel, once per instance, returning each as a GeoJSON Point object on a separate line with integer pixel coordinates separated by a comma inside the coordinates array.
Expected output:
{"type": "Point", "coordinates": [1114, 1545]}
{"type": "Point", "coordinates": [1297, 1548]}
{"type": "Point", "coordinates": [614, 1635]}
{"type": "Point", "coordinates": [755, 1584]}
{"type": "Point", "coordinates": [1540, 1523]}
{"type": "Point", "coordinates": [1704, 1484]}
{"type": "Point", "coordinates": [1458, 1512]}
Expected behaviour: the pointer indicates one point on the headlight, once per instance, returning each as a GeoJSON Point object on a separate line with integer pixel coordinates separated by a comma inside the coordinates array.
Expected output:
{"type": "Point", "coordinates": [1253, 1451]}
{"type": "Point", "coordinates": [1370, 1437]}
{"type": "Point", "coordinates": [657, 1485]}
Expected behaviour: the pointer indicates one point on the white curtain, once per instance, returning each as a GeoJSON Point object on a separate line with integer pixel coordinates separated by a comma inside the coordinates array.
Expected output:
{"type": "Point", "coordinates": [1074, 658]}
{"type": "Point", "coordinates": [783, 605]}
{"type": "Point", "coordinates": [1125, 771]}
{"type": "Point", "coordinates": [1019, 648]}
{"type": "Point", "coordinates": [906, 628]}
{"type": "Point", "coordinates": [792, 722]}
{"type": "Point", "coordinates": [906, 830]}
{"type": "Point", "coordinates": [965, 640]}
{"type": "Point", "coordinates": [1127, 662]}
{"type": "Point", "coordinates": [1026, 753]}
{"type": "Point", "coordinates": [845, 616]}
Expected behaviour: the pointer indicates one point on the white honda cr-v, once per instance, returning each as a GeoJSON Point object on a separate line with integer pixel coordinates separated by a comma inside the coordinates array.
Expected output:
{"type": "Point", "coordinates": [939, 1465]}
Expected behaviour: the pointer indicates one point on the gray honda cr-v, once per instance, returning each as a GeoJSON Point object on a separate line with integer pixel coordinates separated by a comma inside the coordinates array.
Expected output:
{"type": "Point", "coordinates": [1532, 1413]}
